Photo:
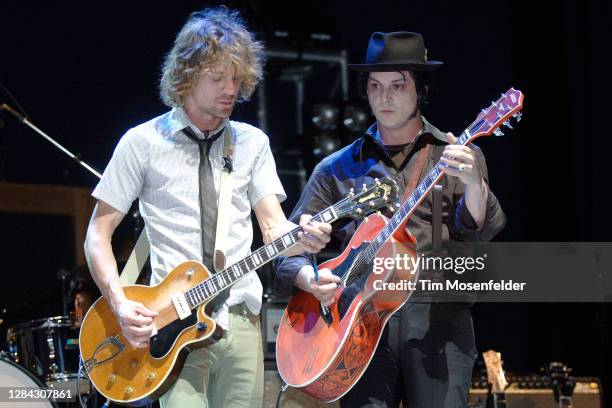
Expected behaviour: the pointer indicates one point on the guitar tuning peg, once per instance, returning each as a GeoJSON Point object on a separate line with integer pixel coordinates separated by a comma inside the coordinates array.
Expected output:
{"type": "Point", "coordinates": [498, 132]}
{"type": "Point", "coordinates": [391, 209]}
{"type": "Point", "coordinates": [377, 181]}
{"type": "Point", "coordinates": [397, 205]}
{"type": "Point", "coordinates": [507, 123]}
{"type": "Point", "coordinates": [363, 187]}
{"type": "Point", "coordinates": [518, 116]}
{"type": "Point", "coordinates": [351, 192]}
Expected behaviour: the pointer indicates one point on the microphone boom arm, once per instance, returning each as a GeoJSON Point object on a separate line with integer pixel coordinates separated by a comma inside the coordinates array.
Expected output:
{"type": "Point", "coordinates": [73, 156]}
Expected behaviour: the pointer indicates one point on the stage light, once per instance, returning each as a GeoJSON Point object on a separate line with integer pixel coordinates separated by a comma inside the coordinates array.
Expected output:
{"type": "Point", "coordinates": [324, 143]}
{"type": "Point", "coordinates": [355, 118]}
{"type": "Point", "coordinates": [325, 115]}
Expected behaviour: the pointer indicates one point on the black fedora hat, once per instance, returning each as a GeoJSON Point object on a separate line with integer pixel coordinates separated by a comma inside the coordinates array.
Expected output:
{"type": "Point", "coordinates": [397, 51]}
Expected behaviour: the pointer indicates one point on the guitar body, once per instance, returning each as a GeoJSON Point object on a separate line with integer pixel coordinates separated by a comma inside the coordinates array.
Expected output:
{"type": "Point", "coordinates": [326, 361]}
{"type": "Point", "coordinates": [137, 376]}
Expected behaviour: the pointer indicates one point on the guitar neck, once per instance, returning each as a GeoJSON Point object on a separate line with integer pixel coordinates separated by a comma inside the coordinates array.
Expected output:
{"type": "Point", "coordinates": [229, 276]}
{"type": "Point", "coordinates": [413, 201]}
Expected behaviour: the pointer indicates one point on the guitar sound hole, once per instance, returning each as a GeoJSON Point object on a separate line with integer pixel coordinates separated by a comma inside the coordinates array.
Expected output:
{"type": "Point", "coordinates": [163, 341]}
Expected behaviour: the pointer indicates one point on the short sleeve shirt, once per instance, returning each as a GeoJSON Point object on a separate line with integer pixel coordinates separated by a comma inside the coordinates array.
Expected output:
{"type": "Point", "coordinates": [158, 164]}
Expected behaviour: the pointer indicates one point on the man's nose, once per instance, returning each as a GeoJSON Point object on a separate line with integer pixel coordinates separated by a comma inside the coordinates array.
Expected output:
{"type": "Point", "coordinates": [231, 86]}
{"type": "Point", "coordinates": [386, 94]}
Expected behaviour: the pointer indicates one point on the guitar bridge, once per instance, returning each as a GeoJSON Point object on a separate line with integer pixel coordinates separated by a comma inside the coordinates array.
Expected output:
{"type": "Point", "coordinates": [112, 344]}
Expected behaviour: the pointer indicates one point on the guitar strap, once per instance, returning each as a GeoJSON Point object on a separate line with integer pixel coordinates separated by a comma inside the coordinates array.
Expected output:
{"type": "Point", "coordinates": [142, 249]}
{"type": "Point", "coordinates": [419, 167]}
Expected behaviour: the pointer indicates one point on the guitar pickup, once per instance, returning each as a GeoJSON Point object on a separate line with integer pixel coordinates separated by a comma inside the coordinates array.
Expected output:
{"type": "Point", "coordinates": [180, 305]}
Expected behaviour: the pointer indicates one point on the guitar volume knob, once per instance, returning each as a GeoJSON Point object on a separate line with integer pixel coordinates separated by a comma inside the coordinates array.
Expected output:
{"type": "Point", "coordinates": [151, 377]}
{"type": "Point", "coordinates": [202, 326]}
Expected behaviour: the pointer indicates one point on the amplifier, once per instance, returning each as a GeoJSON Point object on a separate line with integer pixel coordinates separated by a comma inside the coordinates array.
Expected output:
{"type": "Point", "coordinates": [271, 314]}
{"type": "Point", "coordinates": [587, 394]}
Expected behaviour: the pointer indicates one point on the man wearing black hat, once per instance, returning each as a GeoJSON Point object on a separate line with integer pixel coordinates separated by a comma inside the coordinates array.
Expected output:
{"type": "Point", "coordinates": [426, 353]}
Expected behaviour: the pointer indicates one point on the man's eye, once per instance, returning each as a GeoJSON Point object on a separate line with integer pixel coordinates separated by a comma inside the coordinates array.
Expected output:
{"type": "Point", "coordinates": [374, 85]}
{"type": "Point", "coordinates": [398, 87]}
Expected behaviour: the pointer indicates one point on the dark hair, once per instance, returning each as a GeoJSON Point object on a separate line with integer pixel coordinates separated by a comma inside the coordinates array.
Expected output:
{"type": "Point", "coordinates": [422, 81]}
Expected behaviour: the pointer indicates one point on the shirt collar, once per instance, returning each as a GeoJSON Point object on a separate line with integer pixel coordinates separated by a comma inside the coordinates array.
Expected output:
{"type": "Point", "coordinates": [179, 121]}
{"type": "Point", "coordinates": [374, 134]}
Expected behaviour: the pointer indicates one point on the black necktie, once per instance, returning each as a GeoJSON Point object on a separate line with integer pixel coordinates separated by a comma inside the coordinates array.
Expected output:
{"type": "Point", "coordinates": [208, 206]}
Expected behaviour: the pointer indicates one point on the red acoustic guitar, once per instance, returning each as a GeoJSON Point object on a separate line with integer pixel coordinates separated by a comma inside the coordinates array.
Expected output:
{"type": "Point", "coordinates": [324, 358]}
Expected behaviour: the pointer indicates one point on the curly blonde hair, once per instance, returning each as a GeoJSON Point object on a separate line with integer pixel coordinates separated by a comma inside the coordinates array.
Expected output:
{"type": "Point", "coordinates": [208, 37]}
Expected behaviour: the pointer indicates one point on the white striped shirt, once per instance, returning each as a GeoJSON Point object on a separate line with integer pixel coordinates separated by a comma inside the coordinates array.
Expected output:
{"type": "Point", "coordinates": [156, 163]}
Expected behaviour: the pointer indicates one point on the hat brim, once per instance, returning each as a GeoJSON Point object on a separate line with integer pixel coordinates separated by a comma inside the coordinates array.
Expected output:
{"type": "Point", "coordinates": [397, 66]}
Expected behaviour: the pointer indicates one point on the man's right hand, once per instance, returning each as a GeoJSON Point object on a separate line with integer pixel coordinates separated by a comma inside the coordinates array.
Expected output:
{"type": "Point", "coordinates": [323, 289]}
{"type": "Point", "coordinates": [136, 322]}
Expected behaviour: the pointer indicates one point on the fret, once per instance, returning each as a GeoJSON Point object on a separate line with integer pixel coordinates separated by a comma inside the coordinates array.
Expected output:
{"type": "Point", "coordinates": [203, 293]}
{"type": "Point", "coordinates": [236, 270]}
{"type": "Point", "coordinates": [221, 279]}
{"type": "Point", "coordinates": [270, 250]}
{"type": "Point", "coordinates": [211, 286]}
{"type": "Point", "coordinates": [256, 259]}
{"type": "Point", "coordinates": [190, 301]}
{"type": "Point", "coordinates": [263, 254]}
{"type": "Point", "coordinates": [250, 265]}
{"type": "Point", "coordinates": [279, 243]}
{"type": "Point", "coordinates": [327, 215]}
{"type": "Point", "coordinates": [195, 294]}
{"type": "Point", "coordinates": [191, 297]}
{"type": "Point", "coordinates": [288, 240]}
{"type": "Point", "coordinates": [244, 268]}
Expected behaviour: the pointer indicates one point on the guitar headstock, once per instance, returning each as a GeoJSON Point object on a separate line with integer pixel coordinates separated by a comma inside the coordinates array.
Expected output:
{"type": "Point", "coordinates": [499, 113]}
{"type": "Point", "coordinates": [495, 372]}
{"type": "Point", "coordinates": [381, 193]}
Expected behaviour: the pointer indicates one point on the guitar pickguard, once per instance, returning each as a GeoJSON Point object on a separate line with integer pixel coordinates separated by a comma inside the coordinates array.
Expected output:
{"type": "Point", "coordinates": [163, 341]}
{"type": "Point", "coordinates": [356, 283]}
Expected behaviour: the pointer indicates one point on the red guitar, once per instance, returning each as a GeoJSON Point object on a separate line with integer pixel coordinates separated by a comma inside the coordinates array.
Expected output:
{"type": "Point", "coordinates": [324, 359]}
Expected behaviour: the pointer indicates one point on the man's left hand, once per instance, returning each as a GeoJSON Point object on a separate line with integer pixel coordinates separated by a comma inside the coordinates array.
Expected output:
{"type": "Point", "coordinates": [314, 235]}
{"type": "Point", "coordinates": [461, 162]}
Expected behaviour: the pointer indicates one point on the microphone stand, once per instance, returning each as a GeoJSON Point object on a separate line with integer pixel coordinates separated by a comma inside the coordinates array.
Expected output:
{"type": "Point", "coordinates": [73, 156]}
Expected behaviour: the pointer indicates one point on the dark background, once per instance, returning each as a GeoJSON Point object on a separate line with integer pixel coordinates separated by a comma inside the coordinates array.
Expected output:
{"type": "Point", "coordinates": [85, 74]}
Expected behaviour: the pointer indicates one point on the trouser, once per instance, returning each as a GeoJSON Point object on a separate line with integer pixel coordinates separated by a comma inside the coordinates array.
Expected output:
{"type": "Point", "coordinates": [430, 371]}
{"type": "Point", "coordinates": [228, 373]}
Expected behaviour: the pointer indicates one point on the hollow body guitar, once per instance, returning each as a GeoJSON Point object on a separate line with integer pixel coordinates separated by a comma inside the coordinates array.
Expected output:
{"type": "Point", "coordinates": [326, 359]}
{"type": "Point", "coordinates": [137, 376]}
